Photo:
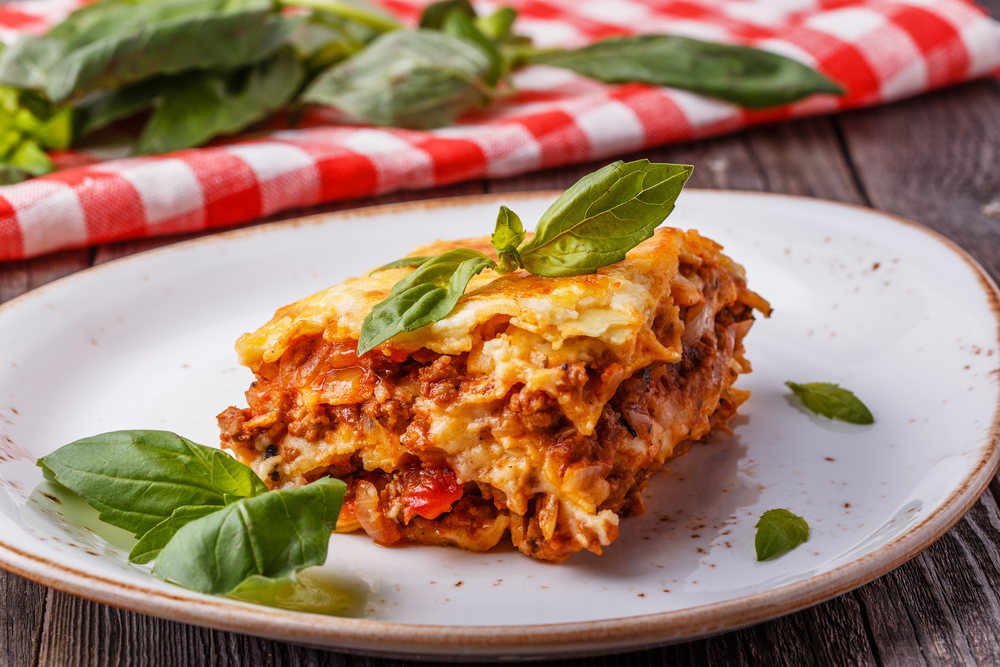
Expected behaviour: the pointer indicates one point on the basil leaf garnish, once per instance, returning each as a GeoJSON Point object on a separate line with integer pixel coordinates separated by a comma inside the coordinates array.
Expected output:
{"type": "Point", "coordinates": [508, 234]}
{"type": "Point", "coordinates": [427, 295]}
{"type": "Point", "coordinates": [603, 216]}
{"type": "Point", "coordinates": [136, 479]}
{"type": "Point", "coordinates": [740, 74]}
{"type": "Point", "coordinates": [435, 13]}
{"type": "Point", "coordinates": [833, 401]}
{"type": "Point", "coordinates": [406, 261]}
{"type": "Point", "coordinates": [256, 540]}
{"type": "Point", "coordinates": [101, 108]}
{"type": "Point", "coordinates": [779, 530]}
{"type": "Point", "coordinates": [151, 544]}
{"type": "Point", "coordinates": [411, 79]}
{"type": "Point", "coordinates": [201, 105]}
{"type": "Point", "coordinates": [593, 224]}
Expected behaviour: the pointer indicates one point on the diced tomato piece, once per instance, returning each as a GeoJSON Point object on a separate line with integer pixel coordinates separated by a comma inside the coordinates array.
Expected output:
{"type": "Point", "coordinates": [430, 492]}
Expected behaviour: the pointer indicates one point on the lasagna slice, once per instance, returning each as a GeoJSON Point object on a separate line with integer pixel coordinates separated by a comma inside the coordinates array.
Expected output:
{"type": "Point", "coordinates": [539, 407]}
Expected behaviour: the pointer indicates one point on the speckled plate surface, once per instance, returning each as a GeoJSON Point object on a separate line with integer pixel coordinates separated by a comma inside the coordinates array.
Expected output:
{"type": "Point", "coordinates": [879, 305]}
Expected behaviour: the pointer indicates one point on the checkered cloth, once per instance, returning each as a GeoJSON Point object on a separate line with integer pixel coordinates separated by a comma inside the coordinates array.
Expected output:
{"type": "Point", "coordinates": [878, 50]}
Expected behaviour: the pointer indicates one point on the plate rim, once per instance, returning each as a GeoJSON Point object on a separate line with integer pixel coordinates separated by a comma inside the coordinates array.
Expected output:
{"type": "Point", "coordinates": [521, 641]}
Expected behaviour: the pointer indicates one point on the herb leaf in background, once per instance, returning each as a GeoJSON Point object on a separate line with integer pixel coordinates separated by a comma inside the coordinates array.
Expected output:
{"type": "Point", "coordinates": [460, 25]}
{"type": "Point", "coordinates": [779, 530]}
{"type": "Point", "coordinates": [833, 401]}
{"type": "Point", "coordinates": [151, 544]}
{"type": "Point", "coordinates": [136, 479]}
{"type": "Point", "coordinates": [426, 295]}
{"type": "Point", "coordinates": [497, 26]}
{"type": "Point", "coordinates": [747, 76]}
{"type": "Point", "coordinates": [202, 105]}
{"type": "Point", "coordinates": [121, 43]}
{"type": "Point", "coordinates": [352, 12]}
{"type": "Point", "coordinates": [603, 216]}
{"type": "Point", "coordinates": [29, 124]}
{"type": "Point", "coordinates": [257, 540]}
{"type": "Point", "coordinates": [101, 108]}
{"type": "Point", "coordinates": [411, 79]}
{"type": "Point", "coordinates": [507, 235]}
{"type": "Point", "coordinates": [434, 14]}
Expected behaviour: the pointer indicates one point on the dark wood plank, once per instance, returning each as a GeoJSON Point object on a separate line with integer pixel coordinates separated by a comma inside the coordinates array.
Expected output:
{"type": "Point", "coordinates": [22, 605]}
{"type": "Point", "coordinates": [18, 277]}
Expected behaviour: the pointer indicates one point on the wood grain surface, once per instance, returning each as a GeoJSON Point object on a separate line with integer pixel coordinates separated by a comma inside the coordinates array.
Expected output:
{"type": "Point", "coordinates": [934, 159]}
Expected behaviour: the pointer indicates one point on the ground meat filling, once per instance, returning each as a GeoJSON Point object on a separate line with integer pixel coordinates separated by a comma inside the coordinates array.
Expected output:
{"type": "Point", "coordinates": [321, 389]}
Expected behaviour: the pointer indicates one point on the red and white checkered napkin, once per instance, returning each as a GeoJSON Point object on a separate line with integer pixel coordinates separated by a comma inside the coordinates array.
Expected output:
{"type": "Point", "coordinates": [877, 50]}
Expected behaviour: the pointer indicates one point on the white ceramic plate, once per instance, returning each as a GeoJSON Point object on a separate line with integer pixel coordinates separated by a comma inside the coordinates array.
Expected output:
{"type": "Point", "coordinates": [882, 306]}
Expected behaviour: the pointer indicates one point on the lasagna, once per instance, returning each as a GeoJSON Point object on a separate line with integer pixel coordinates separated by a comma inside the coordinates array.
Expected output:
{"type": "Point", "coordinates": [537, 409]}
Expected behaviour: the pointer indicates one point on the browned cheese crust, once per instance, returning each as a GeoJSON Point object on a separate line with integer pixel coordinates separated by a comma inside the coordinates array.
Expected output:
{"type": "Point", "coordinates": [463, 444]}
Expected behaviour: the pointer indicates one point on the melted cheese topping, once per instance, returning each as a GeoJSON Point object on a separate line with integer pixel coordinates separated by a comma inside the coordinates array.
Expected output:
{"type": "Point", "coordinates": [612, 306]}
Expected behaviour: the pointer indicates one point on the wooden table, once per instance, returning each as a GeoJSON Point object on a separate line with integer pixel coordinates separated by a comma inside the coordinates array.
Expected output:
{"type": "Point", "coordinates": [934, 159]}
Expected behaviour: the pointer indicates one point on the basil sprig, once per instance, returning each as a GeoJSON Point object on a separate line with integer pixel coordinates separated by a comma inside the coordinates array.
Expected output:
{"type": "Point", "coordinates": [833, 401]}
{"type": "Point", "coordinates": [749, 77]}
{"type": "Point", "coordinates": [208, 521]}
{"type": "Point", "coordinates": [591, 225]}
{"type": "Point", "coordinates": [191, 70]}
{"type": "Point", "coordinates": [778, 531]}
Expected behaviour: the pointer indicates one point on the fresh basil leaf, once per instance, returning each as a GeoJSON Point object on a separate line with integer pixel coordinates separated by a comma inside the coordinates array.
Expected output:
{"type": "Point", "coordinates": [271, 536]}
{"type": "Point", "coordinates": [151, 544]}
{"type": "Point", "coordinates": [427, 295]}
{"type": "Point", "coordinates": [10, 175]}
{"type": "Point", "coordinates": [508, 231]}
{"type": "Point", "coordinates": [101, 108]}
{"type": "Point", "coordinates": [497, 25]}
{"type": "Point", "coordinates": [833, 401]}
{"type": "Point", "coordinates": [603, 216]}
{"type": "Point", "coordinates": [749, 77]}
{"type": "Point", "coordinates": [205, 105]}
{"type": "Point", "coordinates": [507, 235]}
{"type": "Point", "coordinates": [27, 62]}
{"type": "Point", "coordinates": [411, 79]}
{"type": "Point", "coordinates": [206, 40]}
{"type": "Point", "coordinates": [355, 11]}
{"type": "Point", "coordinates": [406, 261]}
{"type": "Point", "coordinates": [136, 479]}
{"type": "Point", "coordinates": [435, 13]}
{"type": "Point", "coordinates": [30, 158]}
{"type": "Point", "coordinates": [777, 531]}
{"type": "Point", "coordinates": [460, 25]}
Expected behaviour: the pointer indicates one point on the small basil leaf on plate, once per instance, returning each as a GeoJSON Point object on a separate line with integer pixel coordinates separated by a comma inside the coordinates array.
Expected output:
{"type": "Point", "coordinates": [136, 479]}
{"type": "Point", "coordinates": [202, 105]}
{"type": "Point", "coordinates": [779, 530]}
{"type": "Point", "coordinates": [435, 13]}
{"type": "Point", "coordinates": [507, 235]}
{"type": "Point", "coordinates": [151, 544]}
{"type": "Point", "coordinates": [427, 295]}
{"type": "Point", "coordinates": [833, 401]}
{"type": "Point", "coordinates": [747, 76]}
{"type": "Point", "coordinates": [269, 537]}
{"type": "Point", "coordinates": [406, 261]}
{"type": "Point", "coordinates": [418, 79]}
{"type": "Point", "coordinates": [460, 25]}
{"type": "Point", "coordinates": [603, 216]}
